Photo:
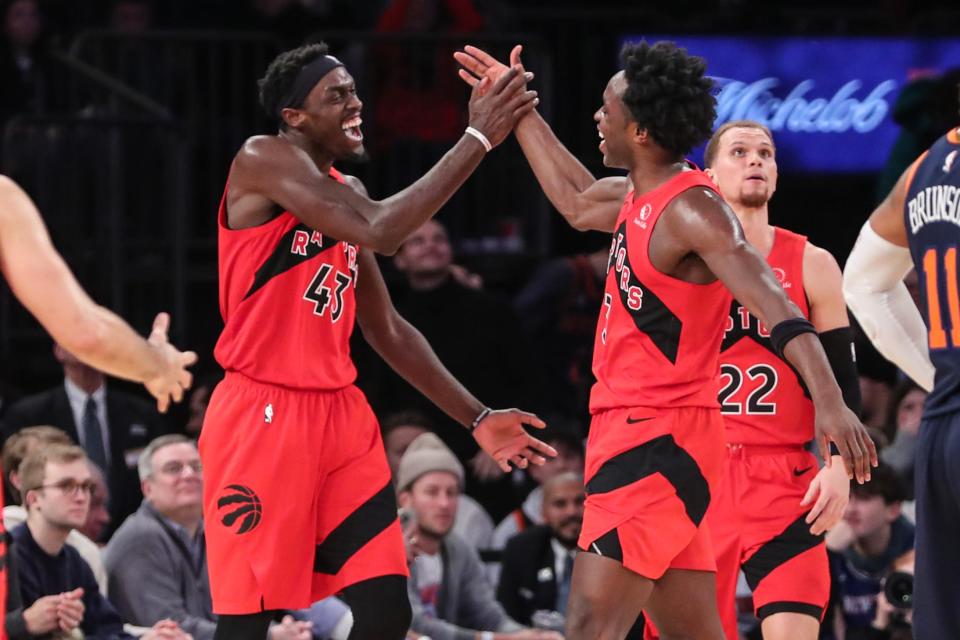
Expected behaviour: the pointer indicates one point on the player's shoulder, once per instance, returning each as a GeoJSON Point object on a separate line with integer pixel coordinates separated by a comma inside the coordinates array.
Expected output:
{"type": "Point", "coordinates": [354, 183]}
{"type": "Point", "coordinates": [700, 206]}
{"type": "Point", "coordinates": [821, 272]}
{"type": "Point", "coordinates": [819, 261]}
{"type": "Point", "coordinates": [262, 146]}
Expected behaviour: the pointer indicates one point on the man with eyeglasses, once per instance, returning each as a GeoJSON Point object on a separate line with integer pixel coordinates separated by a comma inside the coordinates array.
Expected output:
{"type": "Point", "coordinates": [57, 486]}
{"type": "Point", "coordinates": [164, 540]}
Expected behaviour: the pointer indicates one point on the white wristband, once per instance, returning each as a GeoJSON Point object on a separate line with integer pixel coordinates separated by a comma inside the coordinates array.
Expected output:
{"type": "Point", "coordinates": [479, 136]}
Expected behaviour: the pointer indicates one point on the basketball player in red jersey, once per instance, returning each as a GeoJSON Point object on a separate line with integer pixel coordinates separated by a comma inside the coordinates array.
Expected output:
{"type": "Point", "coordinates": [773, 506]}
{"type": "Point", "coordinates": [297, 493]}
{"type": "Point", "coordinates": [656, 447]}
{"type": "Point", "coordinates": [43, 283]}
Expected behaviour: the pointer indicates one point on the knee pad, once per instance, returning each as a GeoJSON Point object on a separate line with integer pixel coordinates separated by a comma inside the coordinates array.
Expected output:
{"type": "Point", "coordinates": [381, 608]}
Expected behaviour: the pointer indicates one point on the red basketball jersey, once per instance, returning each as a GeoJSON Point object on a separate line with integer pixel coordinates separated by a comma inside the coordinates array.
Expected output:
{"type": "Point", "coordinates": [762, 399]}
{"type": "Point", "coordinates": [287, 301]}
{"type": "Point", "coordinates": [658, 338]}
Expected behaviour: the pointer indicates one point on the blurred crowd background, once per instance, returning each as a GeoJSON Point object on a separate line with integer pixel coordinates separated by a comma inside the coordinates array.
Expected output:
{"type": "Point", "coordinates": [120, 117]}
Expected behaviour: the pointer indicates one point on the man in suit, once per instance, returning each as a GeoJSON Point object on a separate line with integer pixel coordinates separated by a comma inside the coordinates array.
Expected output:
{"type": "Point", "coordinates": [538, 563]}
{"type": "Point", "coordinates": [111, 426]}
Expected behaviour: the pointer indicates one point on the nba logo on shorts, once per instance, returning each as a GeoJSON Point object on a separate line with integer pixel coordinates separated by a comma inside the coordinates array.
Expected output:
{"type": "Point", "coordinates": [268, 413]}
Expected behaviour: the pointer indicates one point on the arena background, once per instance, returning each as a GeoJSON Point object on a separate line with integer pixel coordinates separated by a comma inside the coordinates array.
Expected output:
{"type": "Point", "coordinates": [133, 110]}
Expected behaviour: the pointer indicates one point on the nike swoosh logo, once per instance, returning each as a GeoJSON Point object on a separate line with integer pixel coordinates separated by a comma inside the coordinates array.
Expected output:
{"type": "Point", "coordinates": [636, 420]}
{"type": "Point", "coordinates": [800, 472]}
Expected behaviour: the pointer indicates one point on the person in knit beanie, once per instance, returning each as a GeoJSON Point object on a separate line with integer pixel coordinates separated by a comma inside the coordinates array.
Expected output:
{"type": "Point", "coordinates": [448, 588]}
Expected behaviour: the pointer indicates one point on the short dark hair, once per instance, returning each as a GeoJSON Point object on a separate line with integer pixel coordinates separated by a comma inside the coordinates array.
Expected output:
{"type": "Point", "coordinates": [405, 418]}
{"type": "Point", "coordinates": [282, 72]}
{"type": "Point", "coordinates": [710, 153]}
{"type": "Point", "coordinates": [669, 95]}
{"type": "Point", "coordinates": [884, 482]}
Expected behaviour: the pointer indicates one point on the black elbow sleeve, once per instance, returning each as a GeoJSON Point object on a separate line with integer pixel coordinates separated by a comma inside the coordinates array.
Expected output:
{"type": "Point", "coordinates": [838, 344]}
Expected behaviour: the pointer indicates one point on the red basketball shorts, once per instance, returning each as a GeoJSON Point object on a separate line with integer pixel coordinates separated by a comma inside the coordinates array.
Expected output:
{"type": "Point", "coordinates": [757, 525]}
{"type": "Point", "coordinates": [297, 498]}
{"type": "Point", "coordinates": [649, 477]}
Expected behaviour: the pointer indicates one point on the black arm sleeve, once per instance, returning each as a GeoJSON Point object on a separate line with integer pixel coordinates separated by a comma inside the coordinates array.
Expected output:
{"type": "Point", "coordinates": [838, 344]}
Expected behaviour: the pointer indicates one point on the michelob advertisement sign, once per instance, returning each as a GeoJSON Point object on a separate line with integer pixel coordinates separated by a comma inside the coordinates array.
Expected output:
{"type": "Point", "coordinates": [828, 101]}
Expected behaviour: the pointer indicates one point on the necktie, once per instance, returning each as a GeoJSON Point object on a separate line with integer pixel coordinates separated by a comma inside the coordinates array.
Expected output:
{"type": "Point", "coordinates": [92, 436]}
{"type": "Point", "coordinates": [563, 588]}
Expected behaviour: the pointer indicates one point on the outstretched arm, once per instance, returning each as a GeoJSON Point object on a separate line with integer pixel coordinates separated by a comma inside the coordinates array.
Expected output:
{"type": "Point", "coordinates": [272, 169]}
{"type": "Point", "coordinates": [873, 287]}
{"type": "Point", "coordinates": [407, 352]}
{"type": "Point", "coordinates": [585, 202]}
{"type": "Point", "coordinates": [705, 224]}
{"type": "Point", "coordinates": [42, 282]}
{"type": "Point", "coordinates": [829, 491]}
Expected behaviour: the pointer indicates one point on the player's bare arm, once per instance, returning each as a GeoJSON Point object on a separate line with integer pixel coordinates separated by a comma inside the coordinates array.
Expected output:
{"type": "Point", "coordinates": [585, 202]}
{"type": "Point", "coordinates": [873, 288]}
{"type": "Point", "coordinates": [698, 225]}
{"type": "Point", "coordinates": [403, 347]}
{"type": "Point", "coordinates": [829, 491]}
{"type": "Point", "coordinates": [44, 285]}
{"type": "Point", "coordinates": [271, 170]}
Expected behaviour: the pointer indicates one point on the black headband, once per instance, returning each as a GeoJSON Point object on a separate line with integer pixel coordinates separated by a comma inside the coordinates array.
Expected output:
{"type": "Point", "coordinates": [307, 79]}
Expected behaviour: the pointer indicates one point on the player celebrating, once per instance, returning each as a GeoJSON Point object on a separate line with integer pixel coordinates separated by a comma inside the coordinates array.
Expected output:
{"type": "Point", "coordinates": [297, 494]}
{"type": "Point", "coordinates": [656, 445]}
{"type": "Point", "coordinates": [761, 519]}
{"type": "Point", "coordinates": [916, 227]}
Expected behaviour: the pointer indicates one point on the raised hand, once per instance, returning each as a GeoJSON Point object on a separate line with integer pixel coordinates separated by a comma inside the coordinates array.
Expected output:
{"type": "Point", "coordinates": [501, 435]}
{"type": "Point", "coordinates": [174, 379]}
{"type": "Point", "coordinates": [478, 64]}
{"type": "Point", "coordinates": [496, 106]}
{"type": "Point", "coordinates": [840, 426]}
{"type": "Point", "coordinates": [831, 490]}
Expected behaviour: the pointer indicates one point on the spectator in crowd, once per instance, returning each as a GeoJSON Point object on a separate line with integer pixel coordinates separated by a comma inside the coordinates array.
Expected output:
{"type": "Point", "coordinates": [419, 105]}
{"type": "Point", "coordinates": [903, 425]}
{"type": "Point", "coordinates": [476, 335]}
{"type": "Point", "coordinates": [131, 16]}
{"type": "Point", "coordinates": [164, 540]}
{"type": "Point", "coordinates": [98, 519]}
{"type": "Point", "coordinates": [558, 312]}
{"type": "Point", "coordinates": [449, 592]}
{"type": "Point", "coordinates": [472, 523]}
{"type": "Point", "coordinates": [538, 563]}
{"type": "Point", "coordinates": [894, 622]}
{"type": "Point", "coordinates": [111, 426]}
{"type": "Point", "coordinates": [23, 61]}
{"type": "Point", "coordinates": [15, 450]}
{"type": "Point", "coordinates": [863, 547]}
{"type": "Point", "coordinates": [569, 459]}
{"type": "Point", "coordinates": [197, 404]}
{"type": "Point", "coordinates": [56, 485]}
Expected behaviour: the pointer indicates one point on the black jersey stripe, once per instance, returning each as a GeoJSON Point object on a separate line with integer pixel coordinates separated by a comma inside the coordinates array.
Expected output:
{"type": "Point", "coordinates": [653, 318]}
{"type": "Point", "coordinates": [282, 259]}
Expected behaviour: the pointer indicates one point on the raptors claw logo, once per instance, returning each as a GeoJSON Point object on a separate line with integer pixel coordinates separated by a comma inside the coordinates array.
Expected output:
{"type": "Point", "coordinates": [240, 503]}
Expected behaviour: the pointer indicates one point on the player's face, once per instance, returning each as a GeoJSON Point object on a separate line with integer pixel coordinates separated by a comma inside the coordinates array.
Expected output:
{"type": "Point", "coordinates": [65, 500]}
{"type": "Point", "coordinates": [397, 441]}
{"type": "Point", "coordinates": [614, 123]}
{"type": "Point", "coordinates": [176, 482]}
{"type": "Point", "coordinates": [868, 515]}
{"type": "Point", "coordinates": [332, 112]}
{"type": "Point", "coordinates": [434, 499]}
{"type": "Point", "coordinates": [426, 252]}
{"type": "Point", "coordinates": [563, 510]}
{"type": "Point", "coordinates": [745, 168]}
